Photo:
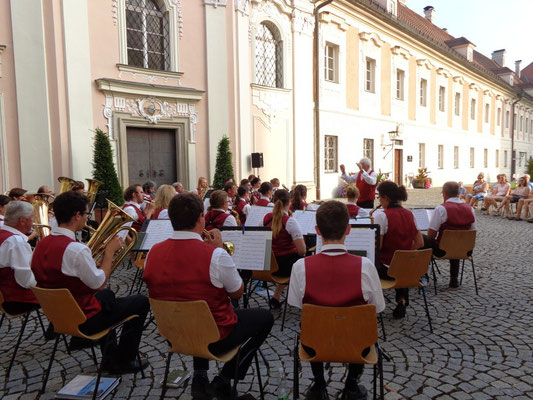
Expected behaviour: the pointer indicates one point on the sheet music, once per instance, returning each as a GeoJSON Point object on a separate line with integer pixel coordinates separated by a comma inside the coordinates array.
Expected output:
{"type": "Point", "coordinates": [422, 218]}
{"type": "Point", "coordinates": [312, 207]}
{"type": "Point", "coordinates": [256, 215]}
{"type": "Point", "coordinates": [252, 249]}
{"type": "Point", "coordinates": [359, 239]}
{"type": "Point", "coordinates": [156, 231]}
{"type": "Point", "coordinates": [306, 220]}
{"type": "Point", "coordinates": [360, 221]}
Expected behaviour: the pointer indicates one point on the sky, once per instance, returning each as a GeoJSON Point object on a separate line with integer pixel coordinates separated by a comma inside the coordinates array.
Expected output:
{"type": "Point", "coordinates": [489, 24]}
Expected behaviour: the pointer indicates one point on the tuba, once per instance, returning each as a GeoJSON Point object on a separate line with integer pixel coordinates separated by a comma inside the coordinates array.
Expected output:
{"type": "Point", "coordinates": [113, 222]}
{"type": "Point", "coordinates": [92, 189]}
{"type": "Point", "coordinates": [40, 203]}
{"type": "Point", "coordinates": [66, 184]}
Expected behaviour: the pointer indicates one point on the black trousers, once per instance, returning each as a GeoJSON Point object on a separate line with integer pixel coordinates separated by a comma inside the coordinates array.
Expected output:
{"type": "Point", "coordinates": [115, 310]}
{"type": "Point", "coordinates": [285, 264]}
{"type": "Point", "coordinates": [432, 244]}
{"type": "Point", "coordinates": [400, 293]}
{"type": "Point", "coordinates": [366, 204]}
{"type": "Point", "coordinates": [18, 307]}
{"type": "Point", "coordinates": [254, 323]}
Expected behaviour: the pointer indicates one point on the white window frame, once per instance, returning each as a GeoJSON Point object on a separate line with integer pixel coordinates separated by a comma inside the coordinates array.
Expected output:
{"type": "Point", "coordinates": [507, 119]}
{"type": "Point", "coordinates": [331, 53]}
{"type": "Point", "coordinates": [487, 111]}
{"type": "Point", "coordinates": [423, 92]}
{"type": "Point", "coordinates": [499, 117]}
{"type": "Point", "coordinates": [473, 109]}
{"type": "Point", "coordinates": [421, 155]}
{"type": "Point", "coordinates": [442, 98]}
{"type": "Point", "coordinates": [485, 158]}
{"type": "Point", "coordinates": [456, 157]}
{"type": "Point", "coordinates": [368, 149]}
{"type": "Point", "coordinates": [440, 156]}
{"type": "Point", "coordinates": [505, 159]}
{"type": "Point", "coordinates": [497, 159]}
{"type": "Point", "coordinates": [472, 157]}
{"type": "Point", "coordinates": [400, 84]}
{"type": "Point", "coordinates": [457, 104]}
{"type": "Point", "coordinates": [370, 75]}
{"type": "Point", "coordinates": [335, 148]}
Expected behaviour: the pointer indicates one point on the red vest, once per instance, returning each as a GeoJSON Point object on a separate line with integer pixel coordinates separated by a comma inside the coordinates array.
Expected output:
{"type": "Point", "coordinates": [282, 244]}
{"type": "Point", "coordinates": [366, 192]}
{"type": "Point", "coordinates": [178, 270]}
{"type": "Point", "coordinates": [460, 217]}
{"type": "Point", "coordinates": [215, 219]}
{"type": "Point", "coordinates": [303, 205]}
{"type": "Point", "coordinates": [401, 232]}
{"type": "Point", "coordinates": [262, 203]}
{"type": "Point", "coordinates": [141, 216]}
{"type": "Point", "coordinates": [46, 266]}
{"type": "Point", "coordinates": [239, 209]}
{"type": "Point", "coordinates": [11, 290]}
{"type": "Point", "coordinates": [353, 210]}
{"type": "Point", "coordinates": [333, 281]}
{"type": "Point", "coordinates": [255, 197]}
{"type": "Point", "coordinates": [156, 213]}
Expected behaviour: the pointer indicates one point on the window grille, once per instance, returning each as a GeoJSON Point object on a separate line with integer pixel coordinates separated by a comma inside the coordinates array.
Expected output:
{"type": "Point", "coordinates": [268, 56]}
{"type": "Point", "coordinates": [330, 154]}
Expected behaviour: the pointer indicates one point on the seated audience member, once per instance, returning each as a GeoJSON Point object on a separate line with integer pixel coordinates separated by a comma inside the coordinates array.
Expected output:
{"type": "Point", "coordinates": [134, 197]}
{"type": "Point", "coordinates": [288, 242]}
{"type": "Point", "coordinates": [266, 194]}
{"type": "Point", "coordinates": [45, 190]}
{"type": "Point", "coordinates": [61, 262]}
{"type": "Point", "coordinates": [354, 211]}
{"type": "Point", "coordinates": [299, 195]}
{"type": "Point", "coordinates": [241, 203]}
{"type": "Point", "coordinates": [398, 232]}
{"type": "Point", "coordinates": [4, 201]}
{"type": "Point", "coordinates": [178, 187]}
{"type": "Point", "coordinates": [523, 203]}
{"type": "Point", "coordinates": [164, 194]}
{"type": "Point", "coordinates": [276, 184]}
{"type": "Point", "coordinates": [218, 216]}
{"type": "Point", "coordinates": [256, 195]}
{"type": "Point", "coordinates": [231, 189]}
{"type": "Point", "coordinates": [522, 191]}
{"type": "Point", "coordinates": [499, 191]}
{"type": "Point", "coordinates": [18, 194]}
{"type": "Point", "coordinates": [335, 278]}
{"type": "Point", "coordinates": [16, 276]}
{"type": "Point", "coordinates": [462, 191]}
{"type": "Point", "coordinates": [528, 181]}
{"type": "Point", "coordinates": [479, 190]}
{"type": "Point", "coordinates": [149, 190]}
{"type": "Point", "coordinates": [184, 268]}
{"type": "Point", "coordinates": [453, 214]}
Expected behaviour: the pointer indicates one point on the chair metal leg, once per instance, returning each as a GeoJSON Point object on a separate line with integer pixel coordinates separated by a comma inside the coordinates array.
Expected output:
{"type": "Point", "coordinates": [2, 320]}
{"type": "Point", "coordinates": [140, 363]}
{"type": "Point", "coordinates": [285, 310]}
{"type": "Point", "coordinates": [259, 377]}
{"type": "Point", "coordinates": [427, 309]}
{"type": "Point", "coordinates": [94, 355]}
{"type": "Point", "coordinates": [433, 267]}
{"type": "Point", "coordinates": [268, 294]}
{"type": "Point", "coordinates": [134, 280]}
{"type": "Point", "coordinates": [236, 376]}
{"type": "Point", "coordinates": [47, 373]}
{"type": "Point", "coordinates": [474, 273]}
{"type": "Point", "coordinates": [462, 272]}
{"type": "Point", "coordinates": [66, 344]}
{"type": "Point", "coordinates": [17, 345]}
{"type": "Point", "coordinates": [164, 387]}
{"type": "Point", "coordinates": [381, 383]}
{"type": "Point", "coordinates": [40, 321]}
{"type": "Point", "coordinates": [375, 383]}
{"type": "Point", "coordinates": [295, 374]}
{"type": "Point", "coordinates": [382, 327]}
{"type": "Point", "coordinates": [265, 361]}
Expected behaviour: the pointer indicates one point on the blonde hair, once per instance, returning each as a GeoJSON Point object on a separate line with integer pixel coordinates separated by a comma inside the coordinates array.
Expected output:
{"type": "Point", "coordinates": [217, 199]}
{"type": "Point", "coordinates": [281, 199]}
{"type": "Point", "coordinates": [164, 194]}
{"type": "Point", "coordinates": [504, 178]}
{"type": "Point", "coordinates": [352, 192]}
{"type": "Point", "coordinates": [200, 179]}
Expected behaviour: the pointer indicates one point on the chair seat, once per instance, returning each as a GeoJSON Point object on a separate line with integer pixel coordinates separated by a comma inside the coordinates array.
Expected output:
{"type": "Point", "coordinates": [228, 355]}
{"type": "Point", "coordinates": [388, 284]}
{"type": "Point", "coordinates": [101, 334]}
{"type": "Point", "coordinates": [140, 264]}
{"type": "Point", "coordinates": [371, 357]}
{"type": "Point", "coordinates": [281, 280]}
{"type": "Point", "coordinates": [449, 258]}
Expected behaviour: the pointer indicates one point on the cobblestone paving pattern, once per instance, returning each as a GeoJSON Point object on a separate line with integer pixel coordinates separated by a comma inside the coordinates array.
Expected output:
{"type": "Point", "coordinates": [481, 349]}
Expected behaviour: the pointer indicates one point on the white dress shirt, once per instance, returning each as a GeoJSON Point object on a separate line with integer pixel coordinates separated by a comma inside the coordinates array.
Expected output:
{"type": "Point", "coordinates": [15, 253]}
{"type": "Point", "coordinates": [363, 213]}
{"type": "Point", "coordinates": [163, 214]}
{"type": "Point", "coordinates": [293, 227]}
{"type": "Point", "coordinates": [1, 220]}
{"type": "Point", "coordinates": [129, 208]}
{"type": "Point", "coordinates": [371, 179]}
{"type": "Point", "coordinates": [78, 261]}
{"type": "Point", "coordinates": [370, 283]}
{"type": "Point", "coordinates": [270, 204]}
{"type": "Point", "coordinates": [440, 216]}
{"type": "Point", "coordinates": [222, 270]}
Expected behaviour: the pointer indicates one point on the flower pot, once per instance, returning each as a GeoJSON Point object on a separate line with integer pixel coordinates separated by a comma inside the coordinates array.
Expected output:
{"type": "Point", "coordinates": [419, 184]}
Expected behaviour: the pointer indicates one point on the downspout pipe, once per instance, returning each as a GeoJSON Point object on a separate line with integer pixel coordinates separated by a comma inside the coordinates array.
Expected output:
{"type": "Point", "coordinates": [513, 152]}
{"type": "Point", "coordinates": [316, 62]}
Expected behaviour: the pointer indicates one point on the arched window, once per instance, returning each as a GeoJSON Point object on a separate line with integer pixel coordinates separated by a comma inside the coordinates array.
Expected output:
{"type": "Point", "coordinates": [268, 56]}
{"type": "Point", "coordinates": [147, 32]}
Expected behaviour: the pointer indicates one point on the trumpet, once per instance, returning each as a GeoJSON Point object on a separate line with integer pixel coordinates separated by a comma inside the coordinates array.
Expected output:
{"type": "Point", "coordinates": [228, 246]}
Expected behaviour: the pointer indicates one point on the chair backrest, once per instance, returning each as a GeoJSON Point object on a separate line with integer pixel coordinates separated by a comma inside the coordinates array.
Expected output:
{"type": "Point", "coordinates": [189, 326]}
{"type": "Point", "coordinates": [61, 310]}
{"type": "Point", "coordinates": [339, 334]}
{"type": "Point", "coordinates": [267, 275]}
{"type": "Point", "coordinates": [458, 244]}
{"type": "Point", "coordinates": [408, 266]}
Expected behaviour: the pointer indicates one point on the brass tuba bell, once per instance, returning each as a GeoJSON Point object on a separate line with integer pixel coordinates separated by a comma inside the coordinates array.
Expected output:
{"type": "Point", "coordinates": [66, 184]}
{"type": "Point", "coordinates": [92, 189]}
{"type": "Point", "coordinates": [40, 203]}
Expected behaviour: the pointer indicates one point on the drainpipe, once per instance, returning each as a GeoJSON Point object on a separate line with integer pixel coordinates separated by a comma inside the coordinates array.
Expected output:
{"type": "Point", "coordinates": [316, 62]}
{"type": "Point", "coordinates": [513, 153]}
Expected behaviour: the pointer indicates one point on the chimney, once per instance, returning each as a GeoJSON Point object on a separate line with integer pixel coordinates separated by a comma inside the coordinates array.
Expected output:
{"type": "Point", "coordinates": [498, 57]}
{"type": "Point", "coordinates": [429, 13]}
{"type": "Point", "coordinates": [517, 67]}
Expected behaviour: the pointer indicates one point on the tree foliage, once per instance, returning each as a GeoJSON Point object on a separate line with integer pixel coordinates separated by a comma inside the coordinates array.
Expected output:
{"type": "Point", "coordinates": [104, 168]}
{"type": "Point", "coordinates": [224, 167]}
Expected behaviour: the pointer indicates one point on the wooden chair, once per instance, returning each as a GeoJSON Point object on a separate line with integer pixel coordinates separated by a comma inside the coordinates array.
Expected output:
{"type": "Point", "coordinates": [65, 314]}
{"type": "Point", "coordinates": [190, 327]}
{"type": "Point", "coordinates": [458, 245]}
{"type": "Point", "coordinates": [138, 262]}
{"type": "Point", "coordinates": [339, 334]}
{"type": "Point", "coordinates": [22, 328]}
{"type": "Point", "coordinates": [270, 276]}
{"type": "Point", "coordinates": [407, 267]}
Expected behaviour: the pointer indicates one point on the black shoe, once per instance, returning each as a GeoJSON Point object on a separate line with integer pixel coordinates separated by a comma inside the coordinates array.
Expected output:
{"type": "Point", "coordinates": [200, 388]}
{"type": "Point", "coordinates": [359, 393]}
{"type": "Point", "coordinates": [274, 304]}
{"type": "Point", "coordinates": [77, 343]}
{"type": "Point", "coordinates": [128, 367]}
{"type": "Point", "coordinates": [454, 282]}
{"type": "Point", "coordinates": [399, 311]}
{"type": "Point", "coordinates": [317, 392]}
{"type": "Point", "coordinates": [220, 388]}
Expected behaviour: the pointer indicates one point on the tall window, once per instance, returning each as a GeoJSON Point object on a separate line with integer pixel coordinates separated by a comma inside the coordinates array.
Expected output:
{"type": "Point", "coordinates": [421, 155]}
{"type": "Point", "coordinates": [472, 164]}
{"type": "Point", "coordinates": [370, 75]}
{"type": "Point", "coordinates": [442, 98]}
{"type": "Point", "coordinates": [487, 109]}
{"type": "Point", "coordinates": [485, 158]}
{"type": "Point", "coordinates": [514, 123]}
{"type": "Point", "coordinates": [505, 158]}
{"type": "Point", "coordinates": [499, 117]}
{"type": "Point", "coordinates": [400, 84]}
{"type": "Point", "coordinates": [457, 107]}
{"type": "Point", "coordinates": [521, 123]}
{"type": "Point", "coordinates": [507, 119]}
{"type": "Point", "coordinates": [423, 92]}
{"type": "Point", "coordinates": [497, 159]}
{"type": "Point", "coordinates": [268, 56]}
{"type": "Point", "coordinates": [473, 109]}
{"type": "Point", "coordinates": [440, 159]}
{"type": "Point", "coordinates": [147, 32]}
{"type": "Point", "coordinates": [456, 156]}
{"type": "Point", "coordinates": [527, 123]}
{"type": "Point", "coordinates": [368, 150]}
{"type": "Point", "coordinates": [331, 62]}
{"type": "Point", "coordinates": [330, 153]}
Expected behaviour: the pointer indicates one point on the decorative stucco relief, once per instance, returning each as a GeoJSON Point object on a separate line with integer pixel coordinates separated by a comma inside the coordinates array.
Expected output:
{"type": "Point", "coordinates": [148, 78]}
{"type": "Point", "coordinates": [114, 11]}
{"type": "Point", "coordinates": [243, 6]}
{"type": "Point", "coordinates": [179, 16]}
{"type": "Point", "coordinates": [273, 104]}
{"type": "Point", "coordinates": [215, 3]}
{"type": "Point", "coordinates": [302, 22]}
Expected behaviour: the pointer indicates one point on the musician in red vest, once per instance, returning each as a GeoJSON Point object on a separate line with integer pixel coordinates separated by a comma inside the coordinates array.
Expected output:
{"type": "Point", "coordinates": [242, 205]}
{"type": "Point", "coordinates": [256, 184]}
{"type": "Point", "coordinates": [265, 191]}
{"type": "Point", "coordinates": [335, 278]}
{"type": "Point", "coordinates": [366, 181]}
{"type": "Point", "coordinates": [398, 231]}
{"type": "Point", "coordinates": [4, 201]}
{"type": "Point", "coordinates": [354, 211]}
{"type": "Point", "coordinates": [230, 188]}
{"type": "Point", "coordinates": [61, 262]}
{"type": "Point", "coordinates": [164, 194]}
{"type": "Point", "coordinates": [185, 268]}
{"type": "Point", "coordinates": [16, 276]}
{"type": "Point", "coordinates": [453, 214]}
{"type": "Point", "coordinates": [218, 215]}
{"type": "Point", "coordinates": [134, 197]}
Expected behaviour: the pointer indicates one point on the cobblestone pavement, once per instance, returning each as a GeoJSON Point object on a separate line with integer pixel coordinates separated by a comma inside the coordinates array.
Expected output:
{"type": "Point", "coordinates": [481, 347]}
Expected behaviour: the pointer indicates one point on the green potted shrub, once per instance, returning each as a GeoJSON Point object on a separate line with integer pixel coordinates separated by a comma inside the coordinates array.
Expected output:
{"type": "Point", "coordinates": [422, 180]}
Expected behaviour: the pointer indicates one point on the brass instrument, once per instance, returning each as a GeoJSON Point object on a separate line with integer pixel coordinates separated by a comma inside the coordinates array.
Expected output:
{"type": "Point", "coordinates": [92, 189]}
{"type": "Point", "coordinates": [66, 184]}
{"type": "Point", "coordinates": [40, 203]}
{"type": "Point", "coordinates": [236, 215]}
{"type": "Point", "coordinates": [228, 246]}
{"type": "Point", "coordinates": [111, 225]}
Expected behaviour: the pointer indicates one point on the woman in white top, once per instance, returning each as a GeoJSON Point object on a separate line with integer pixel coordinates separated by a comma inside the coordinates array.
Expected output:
{"type": "Point", "coordinates": [520, 192]}
{"type": "Point", "coordinates": [164, 194]}
{"type": "Point", "coordinates": [4, 200]}
{"type": "Point", "coordinates": [499, 191]}
{"type": "Point", "coordinates": [479, 191]}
